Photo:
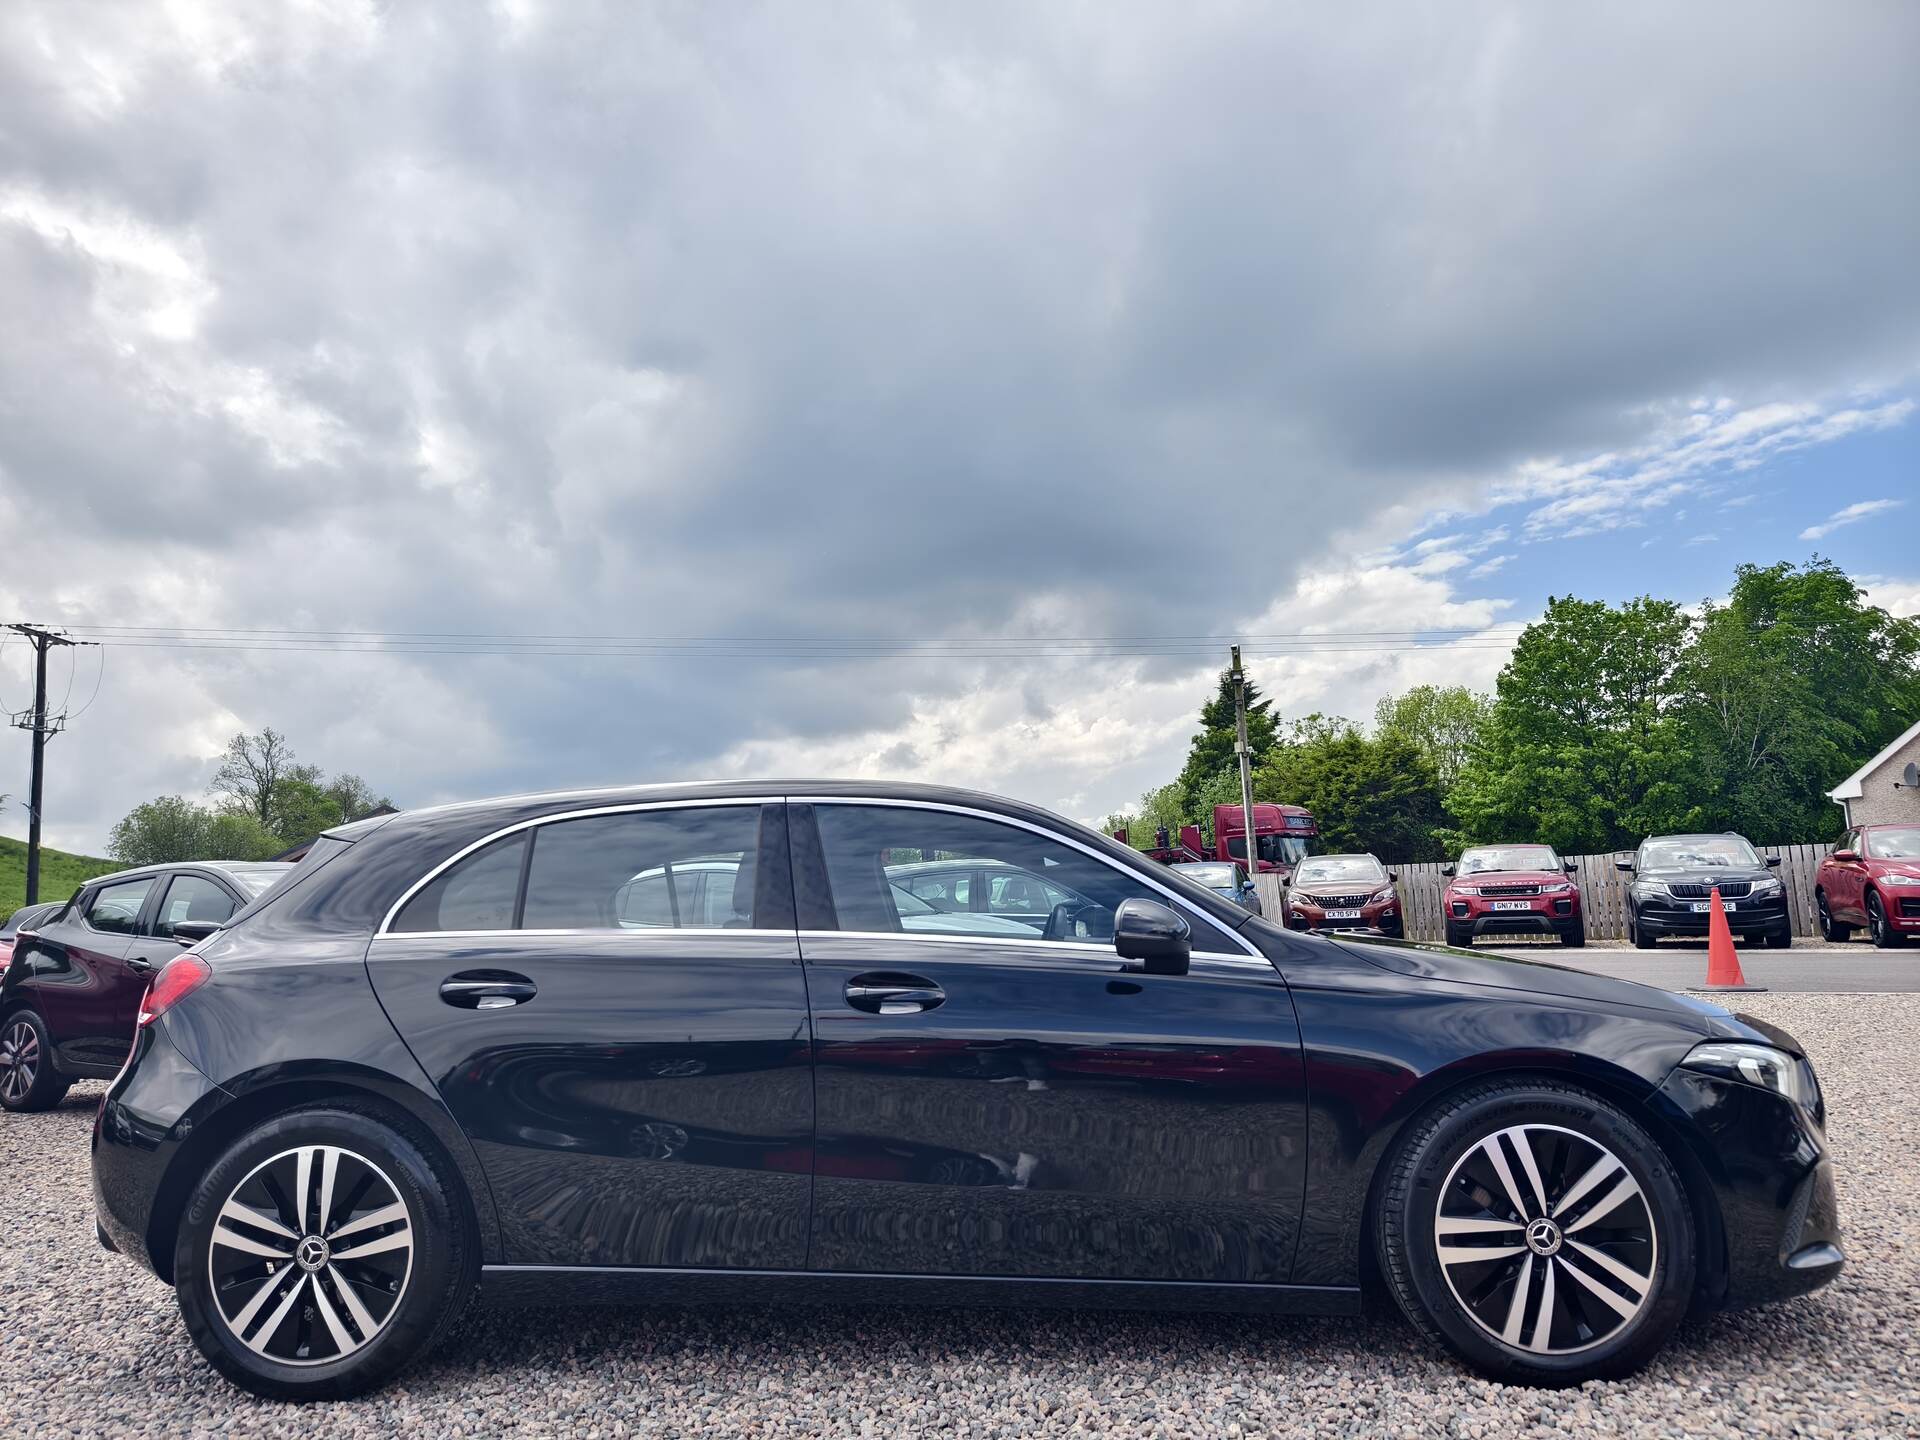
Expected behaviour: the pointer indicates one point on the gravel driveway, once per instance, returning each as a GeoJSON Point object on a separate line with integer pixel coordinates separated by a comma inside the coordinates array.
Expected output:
{"type": "Point", "coordinates": [93, 1345]}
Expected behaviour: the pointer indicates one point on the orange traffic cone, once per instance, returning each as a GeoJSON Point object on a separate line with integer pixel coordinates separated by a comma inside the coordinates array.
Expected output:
{"type": "Point", "coordinates": [1723, 963]}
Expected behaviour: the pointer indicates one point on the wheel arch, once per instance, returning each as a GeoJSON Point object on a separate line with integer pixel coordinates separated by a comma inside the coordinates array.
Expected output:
{"type": "Point", "coordinates": [269, 1095]}
{"type": "Point", "coordinates": [1619, 1088]}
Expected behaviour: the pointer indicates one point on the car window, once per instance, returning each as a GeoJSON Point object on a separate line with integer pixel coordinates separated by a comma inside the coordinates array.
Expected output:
{"type": "Point", "coordinates": [1894, 843]}
{"type": "Point", "coordinates": [115, 908]}
{"type": "Point", "coordinates": [1699, 851]}
{"type": "Point", "coordinates": [1214, 877]}
{"type": "Point", "coordinates": [943, 890]}
{"type": "Point", "coordinates": [685, 869]}
{"type": "Point", "coordinates": [1039, 887]}
{"type": "Point", "coordinates": [1492, 858]}
{"type": "Point", "coordinates": [479, 893]}
{"type": "Point", "coordinates": [192, 897]}
{"type": "Point", "coordinates": [1340, 870]}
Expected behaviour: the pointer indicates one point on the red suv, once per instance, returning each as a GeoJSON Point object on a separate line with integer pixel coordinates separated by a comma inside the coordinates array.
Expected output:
{"type": "Point", "coordinates": [1344, 892]}
{"type": "Point", "coordinates": [1872, 878]}
{"type": "Point", "coordinates": [1512, 890]}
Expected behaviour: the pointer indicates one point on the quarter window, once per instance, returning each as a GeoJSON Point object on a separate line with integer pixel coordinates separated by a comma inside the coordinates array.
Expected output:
{"type": "Point", "coordinates": [115, 908]}
{"type": "Point", "coordinates": [192, 897]}
{"type": "Point", "coordinates": [477, 894]}
{"type": "Point", "coordinates": [1039, 888]}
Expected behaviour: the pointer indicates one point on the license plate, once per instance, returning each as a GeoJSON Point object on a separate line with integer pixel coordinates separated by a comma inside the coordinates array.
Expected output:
{"type": "Point", "coordinates": [1343, 914]}
{"type": "Point", "coordinates": [1513, 904]}
{"type": "Point", "coordinates": [1700, 907]}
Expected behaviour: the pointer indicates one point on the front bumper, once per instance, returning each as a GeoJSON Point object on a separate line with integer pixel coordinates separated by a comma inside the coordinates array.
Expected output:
{"type": "Point", "coordinates": [1384, 918]}
{"type": "Point", "coordinates": [148, 1114]}
{"type": "Point", "coordinates": [1776, 1216]}
{"type": "Point", "coordinates": [1677, 917]}
{"type": "Point", "coordinates": [1544, 915]}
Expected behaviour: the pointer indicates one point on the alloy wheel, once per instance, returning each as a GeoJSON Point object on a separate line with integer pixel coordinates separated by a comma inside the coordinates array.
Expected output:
{"type": "Point", "coordinates": [1877, 922]}
{"type": "Point", "coordinates": [19, 1060]}
{"type": "Point", "coordinates": [310, 1255]}
{"type": "Point", "coordinates": [1545, 1239]}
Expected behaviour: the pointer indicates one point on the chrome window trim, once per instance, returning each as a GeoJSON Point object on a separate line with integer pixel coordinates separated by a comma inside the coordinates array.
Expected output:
{"type": "Point", "coordinates": [1033, 944]}
{"type": "Point", "coordinates": [1179, 901]}
{"type": "Point", "coordinates": [534, 822]}
{"type": "Point", "coordinates": [583, 933]}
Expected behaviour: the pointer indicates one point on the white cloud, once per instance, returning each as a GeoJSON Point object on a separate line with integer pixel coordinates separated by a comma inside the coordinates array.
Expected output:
{"type": "Point", "coordinates": [1860, 510]}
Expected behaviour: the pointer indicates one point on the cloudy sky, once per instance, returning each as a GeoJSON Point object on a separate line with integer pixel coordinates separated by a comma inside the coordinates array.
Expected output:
{"type": "Point", "coordinates": [860, 364]}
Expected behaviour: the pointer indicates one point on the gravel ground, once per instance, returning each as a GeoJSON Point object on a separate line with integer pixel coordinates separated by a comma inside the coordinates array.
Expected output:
{"type": "Point", "coordinates": [94, 1346]}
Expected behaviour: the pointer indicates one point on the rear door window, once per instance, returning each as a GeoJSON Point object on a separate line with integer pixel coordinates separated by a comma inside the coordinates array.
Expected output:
{"type": "Point", "coordinates": [685, 869]}
{"type": "Point", "coordinates": [115, 909]}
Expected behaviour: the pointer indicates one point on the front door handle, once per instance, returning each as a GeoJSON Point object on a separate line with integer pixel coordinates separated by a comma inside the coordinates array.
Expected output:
{"type": "Point", "coordinates": [487, 989]}
{"type": "Point", "coordinates": [893, 994]}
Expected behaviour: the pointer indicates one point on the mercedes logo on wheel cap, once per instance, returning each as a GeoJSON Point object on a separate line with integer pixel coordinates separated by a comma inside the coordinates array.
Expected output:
{"type": "Point", "coordinates": [1543, 1237]}
{"type": "Point", "coordinates": [311, 1253]}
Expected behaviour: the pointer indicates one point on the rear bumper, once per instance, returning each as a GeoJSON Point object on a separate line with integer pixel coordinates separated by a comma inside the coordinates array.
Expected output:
{"type": "Point", "coordinates": [1776, 1216]}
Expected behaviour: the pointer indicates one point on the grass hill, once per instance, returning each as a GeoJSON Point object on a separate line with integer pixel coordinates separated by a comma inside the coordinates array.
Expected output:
{"type": "Point", "coordinates": [60, 873]}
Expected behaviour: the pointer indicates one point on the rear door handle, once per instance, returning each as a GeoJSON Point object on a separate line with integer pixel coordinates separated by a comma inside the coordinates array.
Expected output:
{"type": "Point", "coordinates": [893, 994]}
{"type": "Point", "coordinates": [487, 989]}
{"type": "Point", "coordinates": [140, 965]}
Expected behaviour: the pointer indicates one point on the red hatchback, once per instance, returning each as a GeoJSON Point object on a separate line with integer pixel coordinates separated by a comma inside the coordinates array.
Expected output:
{"type": "Point", "coordinates": [1872, 878]}
{"type": "Point", "coordinates": [1512, 890]}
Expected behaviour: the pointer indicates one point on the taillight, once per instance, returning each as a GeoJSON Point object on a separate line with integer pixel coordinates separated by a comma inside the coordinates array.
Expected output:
{"type": "Point", "coordinates": [183, 975]}
{"type": "Point", "coordinates": [6, 955]}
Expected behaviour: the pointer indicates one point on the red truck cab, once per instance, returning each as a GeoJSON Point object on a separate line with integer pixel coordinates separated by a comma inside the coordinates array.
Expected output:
{"type": "Point", "coordinates": [1283, 836]}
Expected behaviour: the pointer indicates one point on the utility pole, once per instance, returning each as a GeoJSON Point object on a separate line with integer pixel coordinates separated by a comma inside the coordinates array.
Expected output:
{"type": "Point", "coordinates": [1245, 752]}
{"type": "Point", "coordinates": [41, 725]}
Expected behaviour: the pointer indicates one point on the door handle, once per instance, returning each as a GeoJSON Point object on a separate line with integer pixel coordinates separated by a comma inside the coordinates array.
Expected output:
{"type": "Point", "coordinates": [893, 994]}
{"type": "Point", "coordinates": [140, 965]}
{"type": "Point", "coordinates": [487, 989]}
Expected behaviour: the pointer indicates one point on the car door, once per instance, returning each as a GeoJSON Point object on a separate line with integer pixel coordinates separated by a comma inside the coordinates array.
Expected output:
{"type": "Point", "coordinates": [83, 987]}
{"type": "Point", "coordinates": [1846, 892]}
{"type": "Point", "coordinates": [187, 895]}
{"type": "Point", "coordinates": [1025, 1102]}
{"type": "Point", "coordinates": [612, 1007]}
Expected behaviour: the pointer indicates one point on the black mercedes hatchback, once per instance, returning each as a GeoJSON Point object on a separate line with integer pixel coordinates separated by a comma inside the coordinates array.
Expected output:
{"type": "Point", "coordinates": [749, 1043]}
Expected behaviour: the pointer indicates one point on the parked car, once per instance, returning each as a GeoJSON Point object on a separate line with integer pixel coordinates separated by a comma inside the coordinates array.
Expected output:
{"type": "Point", "coordinates": [1872, 878]}
{"type": "Point", "coordinates": [70, 997]}
{"type": "Point", "coordinates": [1344, 892]}
{"type": "Point", "coordinates": [1511, 890]}
{"type": "Point", "coordinates": [25, 918]}
{"type": "Point", "coordinates": [436, 1056]}
{"type": "Point", "coordinates": [1674, 877]}
{"type": "Point", "coordinates": [1222, 878]}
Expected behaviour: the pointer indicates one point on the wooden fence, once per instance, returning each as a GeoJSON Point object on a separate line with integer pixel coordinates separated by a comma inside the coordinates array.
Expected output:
{"type": "Point", "coordinates": [1603, 894]}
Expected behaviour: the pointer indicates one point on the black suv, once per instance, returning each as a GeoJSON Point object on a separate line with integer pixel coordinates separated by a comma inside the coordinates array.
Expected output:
{"type": "Point", "coordinates": [1674, 877]}
{"type": "Point", "coordinates": [704, 1043]}
{"type": "Point", "coordinates": [71, 993]}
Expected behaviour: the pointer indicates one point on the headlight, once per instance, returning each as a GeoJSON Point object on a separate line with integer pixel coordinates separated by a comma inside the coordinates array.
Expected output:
{"type": "Point", "coordinates": [1466, 889]}
{"type": "Point", "coordinates": [1766, 885]}
{"type": "Point", "coordinates": [1760, 1065]}
{"type": "Point", "coordinates": [1379, 895]}
{"type": "Point", "coordinates": [1651, 887]}
{"type": "Point", "coordinates": [1900, 879]}
{"type": "Point", "coordinates": [1559, 887]}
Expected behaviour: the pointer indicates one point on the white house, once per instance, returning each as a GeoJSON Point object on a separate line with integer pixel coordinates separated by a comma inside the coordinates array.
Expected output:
{"type": "Point", "coordinates": [1878, 793]}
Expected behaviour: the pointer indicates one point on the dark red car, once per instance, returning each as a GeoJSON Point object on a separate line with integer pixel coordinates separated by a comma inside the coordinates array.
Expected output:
{"type": "Point", "coordinates": [1512, 890]}
{"type": "Point", "coordinates": [1872, 878]}
{"type": "Point", "coordinates": [1344, 892]}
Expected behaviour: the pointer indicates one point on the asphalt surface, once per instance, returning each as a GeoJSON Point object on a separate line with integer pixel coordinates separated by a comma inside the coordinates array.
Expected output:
{"type": "Point", "coordinates": [1853, 968]}
{"type": "Point", "coordinates": [95, 1346]}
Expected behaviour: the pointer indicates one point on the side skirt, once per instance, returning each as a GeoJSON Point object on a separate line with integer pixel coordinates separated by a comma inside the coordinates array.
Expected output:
{"type": "Point", "coordinates": [592, 1285]}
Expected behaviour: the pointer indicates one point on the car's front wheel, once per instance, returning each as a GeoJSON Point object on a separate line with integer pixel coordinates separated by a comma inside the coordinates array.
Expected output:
{"type": "Point", "coordinates": [1641, 939]}
{"type": "Point", "coordinates": [28, 1080]}
{"type": "Point", "coordinates": [321, 1253]}
{"type": "Point", "coordinates": [1538, 1232]}
{"type": "Point", "coordinates": [1574, 935]}
{"type": "Point", "coordinates": [1460, 937]}
{"type": "Point", "coordinates": [1884, 935]}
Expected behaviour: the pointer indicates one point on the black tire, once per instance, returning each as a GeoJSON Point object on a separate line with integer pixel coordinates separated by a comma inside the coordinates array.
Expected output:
{"type": "Point", "coordinates": [28, 1080]}
{"type": "Point", "coordinates": [1460, 937]}
{"type": "Point", "coordinates": [441, 1264]}
{"type": "Point", "coordinates": [1781, 939]}
{"type": "Point", "coordinates": [1430, 1173]}
{"type": "Point", "coordinates": [1878, 926]}
{"type": "Point", "coordinates": [1830, 929]}
{"type": "Point", "coordinates": [1641, 940]}
{"type": "Point", "coordinates": [1574, 936]}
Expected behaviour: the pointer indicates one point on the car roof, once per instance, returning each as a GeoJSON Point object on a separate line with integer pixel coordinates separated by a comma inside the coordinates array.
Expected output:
{"type": "Point", "coordinates": [1349, 856]}
{"type": "Point", "coordinates": [229, 867]}
{"type": "Point", "coordinates": [1699, 835]}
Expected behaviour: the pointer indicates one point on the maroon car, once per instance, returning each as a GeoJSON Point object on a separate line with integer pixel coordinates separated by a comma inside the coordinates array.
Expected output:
{"type": "Point", "coordinates": [1512, 890]}
{"type": "Point", "coordinates": [1344, 892]}
{"type": "Point", "coordinates": [1871, 879]}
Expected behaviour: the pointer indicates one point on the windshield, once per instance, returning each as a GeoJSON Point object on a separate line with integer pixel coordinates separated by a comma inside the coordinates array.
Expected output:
{"type": "Point", "coordinates": [1698, 852]}
{"type": "Point", "coordinates": [1894, 843]}
{"type": "Point", "coordinates": [1508, 857]}
{"type": "Point", "coordinates": [259, 881]}
{"type": "Point", "coordinates": [1214, 877]}
{"type": "Point", "coordinates": [1274, 849]}
{"type": "Point", "coordinates": [1340, 870]}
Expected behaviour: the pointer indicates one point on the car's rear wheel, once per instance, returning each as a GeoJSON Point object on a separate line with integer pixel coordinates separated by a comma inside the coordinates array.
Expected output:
{"type": "Point", "coordinates": [1884, 935]}
{"type": "Point", "coordinates": [28, 1080]}
{"type": "Point", "coordinates": [321, 1253]}
{"type": "Point", "coordinates": [1830, 928]}
{"type": "Point", "coordinates": [1537, 1232]}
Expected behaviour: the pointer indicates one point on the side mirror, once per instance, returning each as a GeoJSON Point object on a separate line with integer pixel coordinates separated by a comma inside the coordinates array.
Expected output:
{"type": "Point", "coordinates": [1568, 866]}
{"type": "Point", "coordinates": [192, 932]}
{"type": "Point", "coordinates": [1149, 932]}
{"type": "Point", "coordinates": [1449, 868]}
{"type": "Point", "coordinates": [1394, 876]}
{"type": "Point", "coordinates": [1772, 860]}
{"type": "Point", "coordinates": [1247, 887]}
{"type": "Point", "coordinates": [1621, 862]}
{"type": "Point", "coordinates": [1845, 857]}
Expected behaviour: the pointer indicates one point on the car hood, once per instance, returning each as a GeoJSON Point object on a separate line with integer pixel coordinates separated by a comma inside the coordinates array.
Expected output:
{"type": "Point", "coordinates": [1466, 967]}
{"type": "Point", "coordinates": [1894, 867]}
{"type": "Point", "coordinates": [1510, 877]}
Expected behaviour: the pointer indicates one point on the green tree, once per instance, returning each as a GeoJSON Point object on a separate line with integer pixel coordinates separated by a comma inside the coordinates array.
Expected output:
{"type": "Point", "coordinates": [353, 799]}
{"type": "Point", "coordinates": [1157, 807]}
{"type": "Point", "coordinates": [1584, 750]}
{"type": "Point", "coordinates": [300, 807]}
{"type": "Point", "coordinates": [1211, 752]}
{"type": "Point", "coordinates": [163, 830]}
{"type": "Point", "coordinates": [237, 835]}
{"type": "Point", "coordinates": [1379, 795]}
{"type": "Point", "coordinates": [1444, 722]}
{"type": "Point", "coordinates": [1791, 683]}
{"type": "Point", "coordinates": [251, 768]}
